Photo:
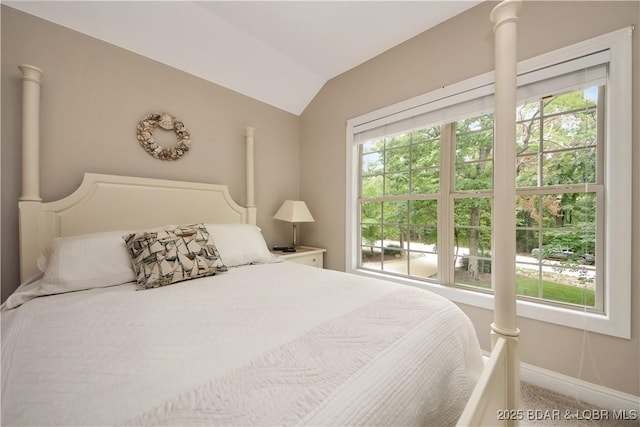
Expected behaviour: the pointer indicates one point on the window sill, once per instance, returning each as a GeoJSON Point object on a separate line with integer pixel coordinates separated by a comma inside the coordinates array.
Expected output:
{"type": "Point", "coordinates": [594, 322]}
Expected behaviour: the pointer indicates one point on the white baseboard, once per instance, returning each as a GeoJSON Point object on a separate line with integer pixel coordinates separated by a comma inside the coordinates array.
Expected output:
{"type": "Point", "coordinates": [581, 390]}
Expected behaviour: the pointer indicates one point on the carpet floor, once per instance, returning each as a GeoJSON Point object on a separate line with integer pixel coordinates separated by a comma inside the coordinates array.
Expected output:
{"type": "Point", "coordinates": [541, 407]}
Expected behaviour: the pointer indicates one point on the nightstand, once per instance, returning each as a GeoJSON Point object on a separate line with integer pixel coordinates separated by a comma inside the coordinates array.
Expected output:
{"type": "Point", "coordinates": [304, 255]}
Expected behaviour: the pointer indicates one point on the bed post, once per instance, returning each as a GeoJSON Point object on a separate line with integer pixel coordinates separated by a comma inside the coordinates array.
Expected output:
{"type": "Point", "coordinates": [498, 388]}
{"type": "Point", "coordinates": [251, 207]}
{"type": "Point", "coordinates": [30, 132]}
{"type": "Point", "coordinates": [505, 18]}
{"type": "Point", "coordinates": [30, 201]}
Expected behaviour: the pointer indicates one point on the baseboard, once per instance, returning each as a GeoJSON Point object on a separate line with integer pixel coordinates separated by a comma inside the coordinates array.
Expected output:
{"type": "Point", "coordinates": [581, 390]}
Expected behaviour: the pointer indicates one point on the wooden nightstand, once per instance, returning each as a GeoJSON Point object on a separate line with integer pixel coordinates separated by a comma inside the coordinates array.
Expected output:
{"type": "Point", "coordinates": [304, 255]}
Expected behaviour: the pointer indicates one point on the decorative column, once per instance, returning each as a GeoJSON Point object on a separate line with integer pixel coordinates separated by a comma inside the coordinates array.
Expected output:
{"type": "Point", "coordinates": [30, 132]}
{"type": "Point", "coordinates": [249, 133]}
{"type": "Point", "coordinates": [504, 326]}
{"type": "Point", "coordinates": [30, 201]}
{"type": "Point", "coordinates": [504, 199]}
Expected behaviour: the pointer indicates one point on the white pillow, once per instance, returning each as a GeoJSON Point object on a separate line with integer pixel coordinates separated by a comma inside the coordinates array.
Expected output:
{"type": "Point", "coordinates": [80, 262]}
{"type": "Point", "coordinates": [240, 244]}
{"type": "Point", "coordinates": [87, 261]}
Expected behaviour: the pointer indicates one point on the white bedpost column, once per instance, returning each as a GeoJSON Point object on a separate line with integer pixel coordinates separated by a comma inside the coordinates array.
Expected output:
{"type": "Point", "coordinates": [30, 132]}
{"type": "Point", "coordinates": [505, 18]}
{"type": "Point", "coordinates": [249, 133]}
{"type": "Point", "coordinates": [30, 201]}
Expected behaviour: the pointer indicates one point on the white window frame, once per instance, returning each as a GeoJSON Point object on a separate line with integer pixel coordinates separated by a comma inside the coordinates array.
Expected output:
{"type": "Point", "coordinates": [616, 319]}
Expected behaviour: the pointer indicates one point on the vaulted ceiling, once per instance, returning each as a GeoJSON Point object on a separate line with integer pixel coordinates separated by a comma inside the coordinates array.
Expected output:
{"type": "Point", "coordinates": [279, 52]}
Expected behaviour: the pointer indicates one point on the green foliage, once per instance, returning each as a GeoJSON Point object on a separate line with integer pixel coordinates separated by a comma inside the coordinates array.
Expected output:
{"type": "Point", "coordinates": [556, 143]}
{"type": "Point", "coordinates": [474, 158]}
{"type": "Point", "coordinates": [553, 291]}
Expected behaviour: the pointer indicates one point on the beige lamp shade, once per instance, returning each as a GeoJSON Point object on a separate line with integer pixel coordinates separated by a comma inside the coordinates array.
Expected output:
{"type": "Point", "coordinates": [294, 211]}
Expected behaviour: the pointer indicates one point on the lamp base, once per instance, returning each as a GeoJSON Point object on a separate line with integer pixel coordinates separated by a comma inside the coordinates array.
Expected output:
{"type": "Point", "coordinates": [284, 248]}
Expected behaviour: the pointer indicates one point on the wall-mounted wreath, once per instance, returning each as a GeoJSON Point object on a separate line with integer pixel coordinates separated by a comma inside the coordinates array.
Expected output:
{"type": "Point", "coordinates": [146, 127]}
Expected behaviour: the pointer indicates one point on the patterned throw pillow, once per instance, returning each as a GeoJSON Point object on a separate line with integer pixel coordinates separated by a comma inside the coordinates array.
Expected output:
{"type": "Point", "coordinates": [172, 255]}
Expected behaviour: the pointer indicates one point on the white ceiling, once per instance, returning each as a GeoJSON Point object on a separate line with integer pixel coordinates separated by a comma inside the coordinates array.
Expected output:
{"type": "Point", "coordinates": [279, 52]}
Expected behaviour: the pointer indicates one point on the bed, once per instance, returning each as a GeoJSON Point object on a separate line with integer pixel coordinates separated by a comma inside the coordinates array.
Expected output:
{"type": "Point", "coordinates": [239, 337]}
{"type": "Point", "coordinates": [275, 343]}
{"type": "Point", "coordinates": [259, 342]}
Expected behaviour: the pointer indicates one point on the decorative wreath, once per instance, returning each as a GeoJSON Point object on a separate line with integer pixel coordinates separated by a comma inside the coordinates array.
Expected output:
{"type": "Point", "coordinates": [145, 136]}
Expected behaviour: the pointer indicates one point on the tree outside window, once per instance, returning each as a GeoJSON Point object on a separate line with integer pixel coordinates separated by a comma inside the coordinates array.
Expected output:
{"type": "Point", "coordinates": [558, 190]}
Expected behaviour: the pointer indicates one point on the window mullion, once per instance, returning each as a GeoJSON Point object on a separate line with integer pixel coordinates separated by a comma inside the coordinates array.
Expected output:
{"type": "Point", "coordinates": [445, 204]}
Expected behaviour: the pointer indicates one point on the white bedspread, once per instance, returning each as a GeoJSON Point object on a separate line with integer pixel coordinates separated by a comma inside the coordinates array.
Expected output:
{"type": "Point", "coordinates": [273, 344]}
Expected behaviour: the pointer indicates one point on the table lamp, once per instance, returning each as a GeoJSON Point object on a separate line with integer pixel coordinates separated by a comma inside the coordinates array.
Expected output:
{"type": "Point", "coordinates": [294, 211]}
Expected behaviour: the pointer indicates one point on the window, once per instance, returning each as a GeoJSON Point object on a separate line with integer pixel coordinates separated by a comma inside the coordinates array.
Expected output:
{"type": "Point", "coordinates": [420, 199]}
{"type": "Point", "coordinates": [400, 182]}
{"type": "Point", "coordinates": [559, 188]}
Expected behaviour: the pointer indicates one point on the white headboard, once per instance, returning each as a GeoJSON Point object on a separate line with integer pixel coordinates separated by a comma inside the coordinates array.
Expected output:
{"type": "Point", "coordinates": [109, 202]}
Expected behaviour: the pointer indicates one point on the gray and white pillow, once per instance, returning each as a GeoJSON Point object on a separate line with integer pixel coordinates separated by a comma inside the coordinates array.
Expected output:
{"type": "Point", "coordinates": [172, 255]}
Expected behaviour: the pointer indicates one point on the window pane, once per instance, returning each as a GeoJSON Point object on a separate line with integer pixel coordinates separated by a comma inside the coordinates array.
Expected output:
{"type": "Point", "coordinates": [425, 155]}
{"type": "Point", "coordinates": [474, 153]}
{"type": "Point", "coordinates": [372, 186]}
{"type": "Point", "coordinates": [474, 176]}
{"type": "Point", "coordinates": [576, 100]}
{"type": "Point", "coordinates": [555, 284]}
{"type": "Point", "coordinates": [392, 236]}
{"type": "Point", "coordinates": [569, 247]}
{"type": "Point", "coordinates": [398, 140]}
{"type": "Point", "coordinates": [372, 163]}
{"type": "Point", "coordinates": [425, 135]}
{"type": "Point", "coordinates": [424, 212]}
{"type": "Point", "coordinates": [569, 167]}
{"type": "Point", "coordinates": [575, 129]}
{"type": "Point", "coordinates": [375, 145]}
{"type": "Point", "coordinates": [425, 162]}
{"type": "Point", "coordinates": [569, 210]}
{"type": "Point", "coordinates": [527, 132]}
{"type": "Point", "coordinates": [395, 261]}
{"type": "Point", "coordinates": [474, 147]}
{"type": "Point", "coordinates": [371, 212]}
{"type": "Point", "coordinates": [529, 112]}
{"type": "Point", "coordinates": [425, 181]}
{"type": "Point", "coordinates": [371, 234]}
{"type": "Point", "coordinates": [473, 212]}
{"type": "Point", "coordinates": [423, 238]}
{"type": "Point", "coordinates": [527, 281]}
{"type": "Point", "coordinates": [423, 265]}
{"type": "Point", "coordinates": [424, 225]}
{"type": "Point", "coordinates": [527, 171]}
{"type": "Point", "coordinates": [397, 159]}
{"type": "Point", "coordinates": [396, 184]}
{"type": "Point", "coordinates": [527, 246]}
{"type": "Point", "coordinates": [527, 211]}
{"type": "Point", "coordinates": [472, 241]}
{"type": "Point", "coordinates": [395, 212]}
{"type": "Point", "coordinates": [473, 271]}
{"type": "Point", "coordinates": [371, 257]}
{"type": "Point", "coordinates": [474, 139]}
{"type": "Point", "coordinates": [581, 210]}
{"type": "Point", "coordinates": [571, 292]}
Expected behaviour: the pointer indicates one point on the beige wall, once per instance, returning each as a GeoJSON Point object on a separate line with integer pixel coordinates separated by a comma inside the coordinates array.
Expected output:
{"type": "Point", "coordinates": [455, 50]}
{"type": "Point", "coordinates": [93, 96]}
